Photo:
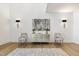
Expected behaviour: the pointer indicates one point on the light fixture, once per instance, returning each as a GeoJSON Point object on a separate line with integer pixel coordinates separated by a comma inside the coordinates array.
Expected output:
{"type": "Point", "coordinates": [18, 21]}
{"type": "Point", "coordinates": [64, 23]}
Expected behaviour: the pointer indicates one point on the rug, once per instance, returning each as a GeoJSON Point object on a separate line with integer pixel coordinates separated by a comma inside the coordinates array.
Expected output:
{"type": "Point", "coordinates": [38, 52]}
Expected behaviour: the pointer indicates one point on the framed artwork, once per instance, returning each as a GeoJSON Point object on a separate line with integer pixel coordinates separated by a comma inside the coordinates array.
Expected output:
{"type": "Point", "coordinates": [40, 25]}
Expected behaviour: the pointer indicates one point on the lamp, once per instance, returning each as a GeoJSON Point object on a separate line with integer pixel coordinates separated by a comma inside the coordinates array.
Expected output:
{"type": "Point", "coordinates": [18, 22]}
{"type": "Point", "coordinates": [64, 20]}
{"type": "Point", "coordinates": [64, 23]}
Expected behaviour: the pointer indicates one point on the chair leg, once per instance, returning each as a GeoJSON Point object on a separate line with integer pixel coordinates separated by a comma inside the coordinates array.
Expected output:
{"type": "Point", "coordinates": [61, 42]}
{"type": "Point", "coordinates": [55, 41]}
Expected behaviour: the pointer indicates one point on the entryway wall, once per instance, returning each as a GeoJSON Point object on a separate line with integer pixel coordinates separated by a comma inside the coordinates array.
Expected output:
{"type": "Point", "coordinates": [4, 23]}
{"type": "Point", "coordinates": [31, 11]}
{"type": "Point", "coordinates": [28, 12]}
{"type": "Point", "coordinates": [76, 27]}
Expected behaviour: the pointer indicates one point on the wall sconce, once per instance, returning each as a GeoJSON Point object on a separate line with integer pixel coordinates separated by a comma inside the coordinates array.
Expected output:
{"type": "Point", "coordinates": [18, 22]}
{"type": "Point", "coordinates": [64, 23]}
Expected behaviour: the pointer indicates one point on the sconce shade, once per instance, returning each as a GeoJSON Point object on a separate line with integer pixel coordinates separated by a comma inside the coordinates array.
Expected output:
{"type": "Point", "coordinates": [17, 20]}
{"type": "Point", "coordinates": [64, 20]}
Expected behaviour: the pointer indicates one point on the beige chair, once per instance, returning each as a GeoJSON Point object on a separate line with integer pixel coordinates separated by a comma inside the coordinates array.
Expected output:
{"type": "Point", "coordinates": [59, 38]}
{"type": "Point", "coordinates": [23, 39]}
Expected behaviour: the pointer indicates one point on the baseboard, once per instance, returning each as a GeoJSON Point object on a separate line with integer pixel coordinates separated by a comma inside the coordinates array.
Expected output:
{"type": "Point", "coordinates": [3, 43]}
{"type": "Point", "coordinates": [76, 43]}
{"type": "Point", "coordinates": [35, 43]}
{"type": "Point", "coordinates": [40, 42]}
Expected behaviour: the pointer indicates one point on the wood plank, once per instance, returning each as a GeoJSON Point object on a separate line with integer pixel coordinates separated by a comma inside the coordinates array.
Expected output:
{"type": "Point", "coordinates": [70, 48]}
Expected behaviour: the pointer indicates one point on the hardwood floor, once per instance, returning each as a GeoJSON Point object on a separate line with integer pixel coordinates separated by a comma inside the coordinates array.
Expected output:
{"type": "Point", "coordinates": [70, 48]}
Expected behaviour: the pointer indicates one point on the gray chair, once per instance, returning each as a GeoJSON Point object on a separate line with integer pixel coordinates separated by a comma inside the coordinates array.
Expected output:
{"type": "Point", "coordinates": [23, 39]}
{"type": "Point", "coordinates": [59, 38]}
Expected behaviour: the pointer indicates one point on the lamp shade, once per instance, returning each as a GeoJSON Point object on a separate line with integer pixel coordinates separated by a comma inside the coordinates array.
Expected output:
{"type": "Point", "coordinates": [17, 20]}
{"type": "Point", "coordinates": [64, 20]}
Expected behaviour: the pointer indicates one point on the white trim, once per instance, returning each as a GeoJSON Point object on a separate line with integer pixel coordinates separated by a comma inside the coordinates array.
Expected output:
{"type": "Point", "coordinates": [76, 43]}
{"type": "Point", "coordinates": [1, 43]}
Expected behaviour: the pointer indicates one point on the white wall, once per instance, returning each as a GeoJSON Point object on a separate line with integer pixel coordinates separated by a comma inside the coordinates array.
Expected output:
{"type": "Point", "coordinates": [4, 24]}
{"type": "Point", "coordinates": [31, 11]}
{"type": "Point", "coordinates": [27, 12]}
{"type": "Point", "coordinates": [9, 13]}
{"type": "Point", "coordinates": [76, 27]}
{"type": "Point", "coordinates": [56, 25]}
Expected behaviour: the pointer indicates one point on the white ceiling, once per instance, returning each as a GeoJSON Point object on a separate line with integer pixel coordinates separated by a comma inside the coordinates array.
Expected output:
{"type": "Point", "coordinates": [62, 7]}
